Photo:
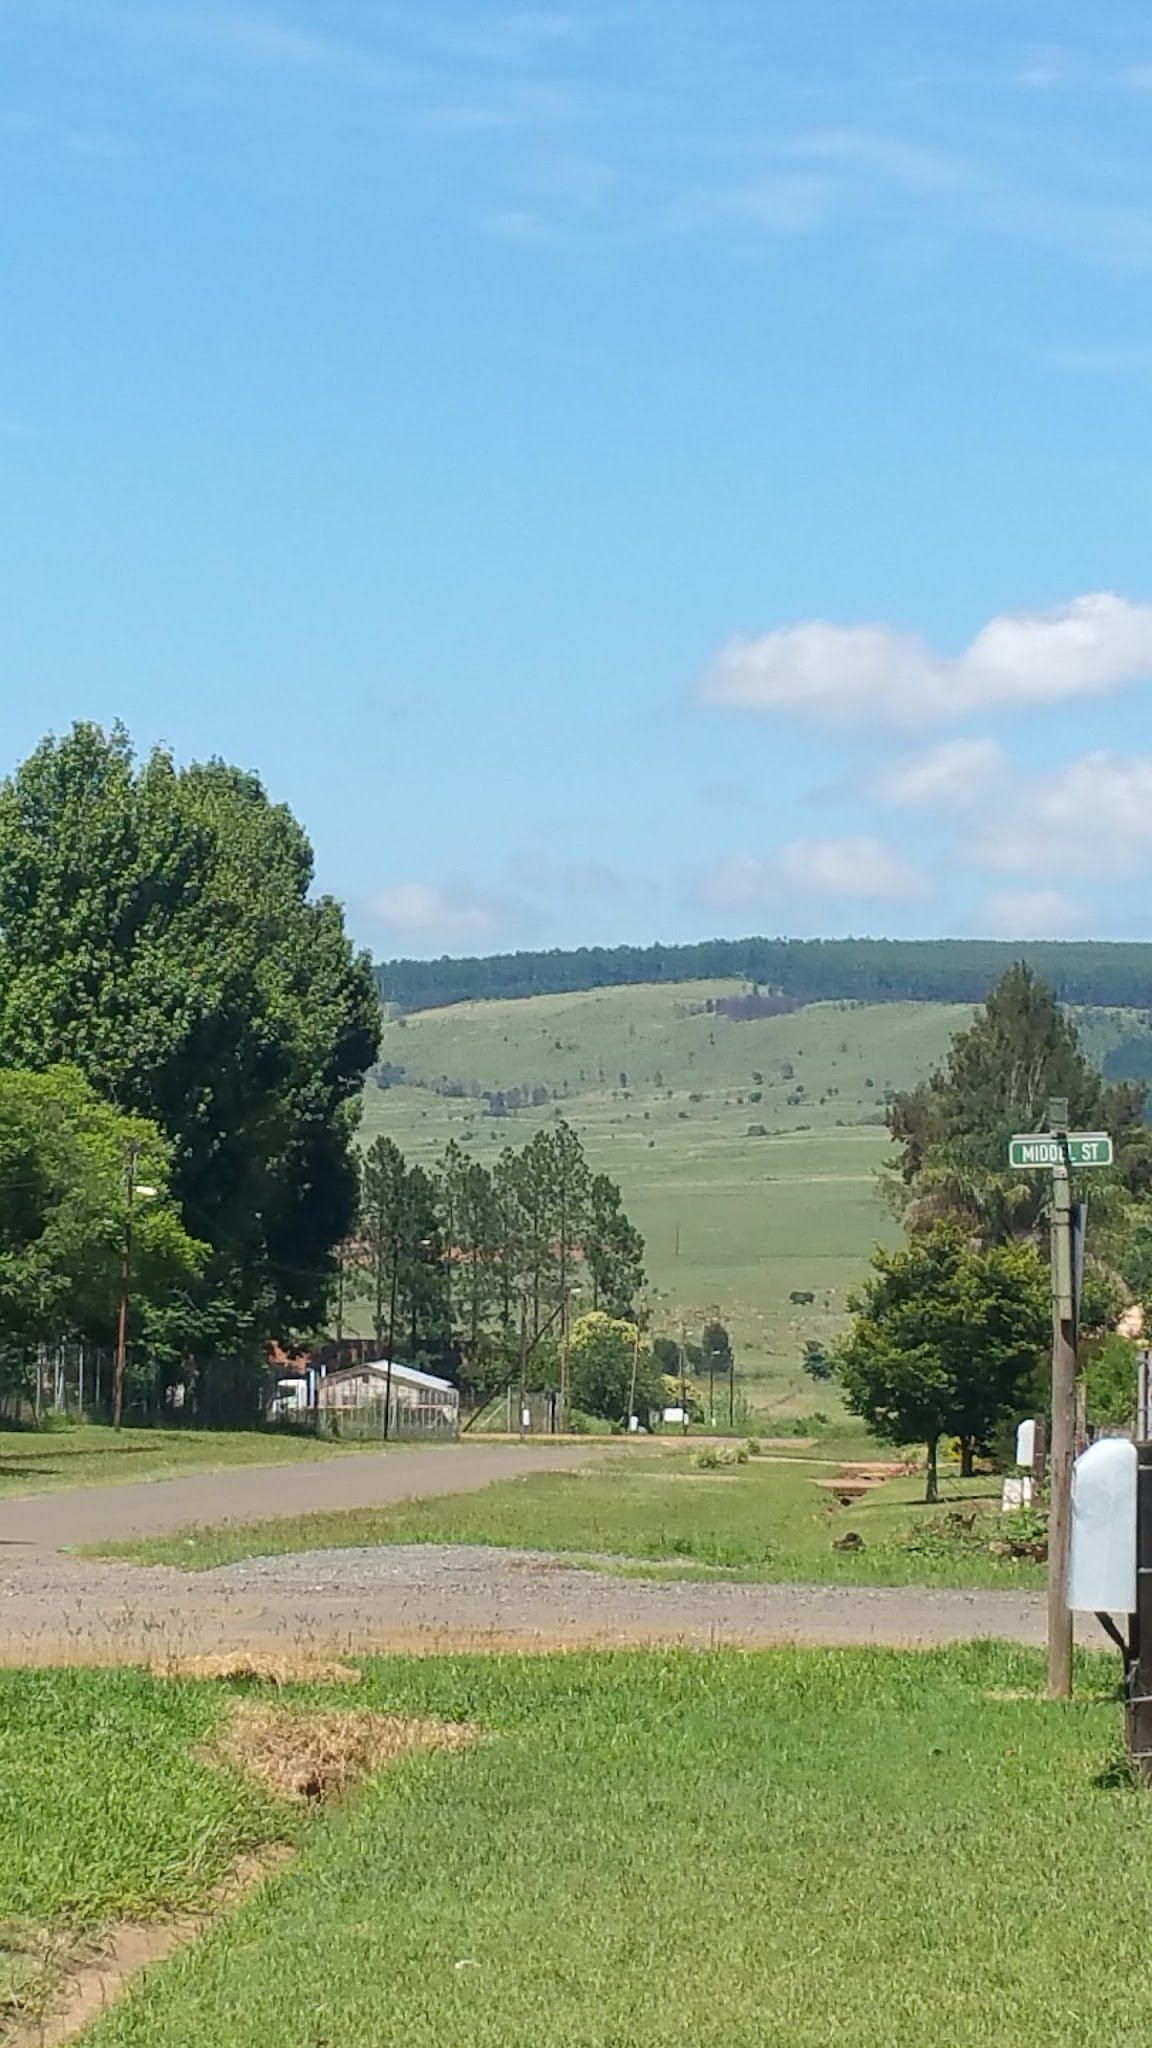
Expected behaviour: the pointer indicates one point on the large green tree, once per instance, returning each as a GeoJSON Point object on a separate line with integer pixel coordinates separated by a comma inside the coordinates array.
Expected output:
{"type": "Point", "coordinates": [473, 1236]}
{"type": "Point", "coordinates": [399, 1253]}
{"type": "Point", "coordinates": [1020, 1050]}
{"type": "Point", "coordinates": [158, 930]}
{"type": "Point", "coordinates": [65, 1160]}
{"type": "Point", "coordinates": [614, 1371]}
{"type": "Point", "coordinates": [613, 1249]}
{"type": "Point", "coordinates": [946, 1341]}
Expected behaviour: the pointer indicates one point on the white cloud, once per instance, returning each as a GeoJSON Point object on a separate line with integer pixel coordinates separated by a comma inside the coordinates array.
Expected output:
{"type": "Point", "coordinates": [848, 870]}
{"type": "Point", "coordinates": [864, 676]}
{"type": "Point", "coordinates": [952, 776]}
{"type": "Point", "coordinates": [1092, 816]}
{"type": "Point", "coordinates": [430, 914]}
{"type": "Point", "coordinates": [263, 41]}
{"type": "Point", "coordinates": [1029, 914]}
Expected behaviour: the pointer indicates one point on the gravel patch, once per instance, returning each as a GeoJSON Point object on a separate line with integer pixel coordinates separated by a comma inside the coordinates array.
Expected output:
{"type": "Point", "coordinates": [422, 1597]}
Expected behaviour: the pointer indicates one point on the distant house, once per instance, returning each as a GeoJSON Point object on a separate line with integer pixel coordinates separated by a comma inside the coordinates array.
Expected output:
{"type": "Point", "coordinates": [421, 1404]}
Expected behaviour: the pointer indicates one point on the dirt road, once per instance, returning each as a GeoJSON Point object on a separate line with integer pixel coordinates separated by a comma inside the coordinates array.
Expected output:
{"type": "Point", "coordinates": [421, 1597]}
{"type": "Point", "coordinates": [54, 1607]}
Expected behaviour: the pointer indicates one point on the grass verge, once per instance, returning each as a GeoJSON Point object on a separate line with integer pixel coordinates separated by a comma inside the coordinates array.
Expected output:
{"type": "Point", "coordinates": [767, 1520]}
{"type": "Point", "coordinates": [90, 1454]}
{"type": "Point", "coordinates": [106, 1815]}
{"type": "Point", "coordinates": [787, 1848]}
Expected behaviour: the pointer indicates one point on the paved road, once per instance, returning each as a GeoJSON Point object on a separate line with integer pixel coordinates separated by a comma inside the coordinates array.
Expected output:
{"type": "Point", "coordinates": [57, 1607]}
{"type": "Point", "coordinates": [257, 1493]}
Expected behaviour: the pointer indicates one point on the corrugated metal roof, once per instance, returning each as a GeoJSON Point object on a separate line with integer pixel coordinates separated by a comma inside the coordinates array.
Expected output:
{"type": "Point", "coordinates": [406, 1375]}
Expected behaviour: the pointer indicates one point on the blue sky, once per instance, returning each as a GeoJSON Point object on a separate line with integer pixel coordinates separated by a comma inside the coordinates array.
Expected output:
{"type": "Point", "coordinates": [619, 472]}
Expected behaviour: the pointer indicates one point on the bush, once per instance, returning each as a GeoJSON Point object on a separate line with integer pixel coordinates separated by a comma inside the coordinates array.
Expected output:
{"type": "Point", "coordinates": [582, 1424]}
{"type": "Point", "coordinates": [715, 1457]}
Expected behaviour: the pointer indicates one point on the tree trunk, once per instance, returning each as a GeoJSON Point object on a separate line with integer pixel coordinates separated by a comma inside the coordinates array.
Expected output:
{"type": "Point", "coordinates": [967, 1457]}
{"type": "Point", "coordinates": [932, 1489]}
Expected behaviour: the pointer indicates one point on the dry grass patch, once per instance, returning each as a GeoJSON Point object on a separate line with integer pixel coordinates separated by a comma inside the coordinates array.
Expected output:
{"type": "Point", "coordinates": [266, 1666]}
{"type": "Point", "coordinates": [299, 1754]}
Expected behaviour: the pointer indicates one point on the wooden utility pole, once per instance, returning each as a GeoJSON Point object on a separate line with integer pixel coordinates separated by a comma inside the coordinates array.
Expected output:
{"type": "Point", "coordinates": [1061, 1449]}
{"type": "Point", "coordinates": [392, 1302]}
{"type": "Point", "coordinates": [523, 1361]}
{"type": "Point", "coordinates": [340, 1258]}
{"type": "Point", "coordinates": [1060, 1149]}
{"type": "Point", "coordinates": [125, 1286]}
{"type": "Point", "coordinates": [565, 1365]}
{"type": "Point", "coordinates": [632, 1385]}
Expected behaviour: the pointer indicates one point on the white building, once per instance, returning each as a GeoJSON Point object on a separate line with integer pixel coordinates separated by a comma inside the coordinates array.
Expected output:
{"type": "Point", "coordinates": [421, 1404]}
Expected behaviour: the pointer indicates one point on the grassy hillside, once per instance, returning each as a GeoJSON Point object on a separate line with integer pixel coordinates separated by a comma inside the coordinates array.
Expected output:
{"type": "Point", "coordinates": [648, 1039]}
{"type": "Point", "coordinates": [671, 1099]}
{"type": "Point", "coordinates": [748, 1151]}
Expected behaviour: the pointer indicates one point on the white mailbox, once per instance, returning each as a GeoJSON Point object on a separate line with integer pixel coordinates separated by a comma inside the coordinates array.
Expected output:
{"type": "Point", "coordinates": [1102, 1575]}
{"type": "Point", "coordinates": [1026, 1445]}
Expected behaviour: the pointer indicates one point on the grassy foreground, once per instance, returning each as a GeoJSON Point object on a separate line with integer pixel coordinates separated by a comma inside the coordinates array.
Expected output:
{"type": "Point", "coordinates": [766, 1520]}
{"type": "Point", "coordinates": [91, 1454]}
{"type": "Point", "coordinates": [791, 1849]}
{"type": "Point", "coordinates": [105, 1814]}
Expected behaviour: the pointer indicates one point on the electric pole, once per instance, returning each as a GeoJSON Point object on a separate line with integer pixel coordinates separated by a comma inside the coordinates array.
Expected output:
{"type": "Point", "coordinates": [565, 1364]}
{"type": "Point", "coordinates": [131, 1171]}
{"type": "Point", "coordinates": [523, 1363]}
{"type": "Point", "coordinates": [1062, 1448]}
{"type": "Point", "coordinates": [1060, 1149]}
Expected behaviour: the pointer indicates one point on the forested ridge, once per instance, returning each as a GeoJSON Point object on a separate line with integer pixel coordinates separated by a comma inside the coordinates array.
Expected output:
{"type": "Point", "coordinates": [1086, 972]}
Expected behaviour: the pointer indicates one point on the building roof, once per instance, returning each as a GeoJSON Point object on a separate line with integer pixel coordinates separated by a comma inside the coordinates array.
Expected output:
{"type": "Point", "coordinates": [403, 1375]}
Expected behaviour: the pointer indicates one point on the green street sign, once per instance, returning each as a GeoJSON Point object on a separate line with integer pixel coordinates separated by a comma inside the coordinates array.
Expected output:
{"type": "Point", "coordinates": [1079, 1148]}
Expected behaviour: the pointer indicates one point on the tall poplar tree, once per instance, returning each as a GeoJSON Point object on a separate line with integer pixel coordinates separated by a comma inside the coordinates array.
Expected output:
{"type": "Point", "coordinates": [159, 932]}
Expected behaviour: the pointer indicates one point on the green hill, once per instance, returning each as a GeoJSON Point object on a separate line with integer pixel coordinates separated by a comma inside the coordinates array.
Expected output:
{"type": "Point", "coordinates": [748, 1148]}
{"type": "Point", "coordinates": [808, 970]}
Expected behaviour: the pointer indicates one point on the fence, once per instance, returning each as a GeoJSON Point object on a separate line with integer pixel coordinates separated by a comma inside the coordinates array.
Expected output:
{"type": "Point", "coordinates": [415, 1421]}
{"type": "Point", "coordinates": [70, 1379]}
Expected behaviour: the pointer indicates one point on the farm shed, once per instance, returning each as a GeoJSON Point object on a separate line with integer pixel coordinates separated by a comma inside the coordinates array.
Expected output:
{"type": "Point", "coordinates": [353, 1399]}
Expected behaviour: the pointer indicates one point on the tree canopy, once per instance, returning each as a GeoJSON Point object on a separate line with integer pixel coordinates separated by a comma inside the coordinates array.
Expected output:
{"type": "Point", "coordinates": [472, 1267]}
{"type": "Point", "coordinates": [946, 1340]}
{"type": "Point", "coordinates": [998, 1077]}
{"type": "Point", "coordinates": [64, 1157]}
{"type": "Point", "coordinates": [614, 1371]}
{"type": "Point", "coordinates": [157, 931]}
{"type": "Point", "coordinates": [799, 970]}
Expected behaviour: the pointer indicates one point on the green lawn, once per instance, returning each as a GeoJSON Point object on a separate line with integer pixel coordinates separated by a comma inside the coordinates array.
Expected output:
{"type": "Point", "coordinates": [90, 1454]}
{"type": "Point", "coordinates": [764, 1520]}
{"type": "Point", "coordinates": [105, 1814]}
{"type": "Point", "coordinates": [781, 1850]}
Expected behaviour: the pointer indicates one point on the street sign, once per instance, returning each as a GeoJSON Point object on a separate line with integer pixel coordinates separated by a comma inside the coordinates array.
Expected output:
{"type": "Point", "coordinates": [1079, 1148]}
